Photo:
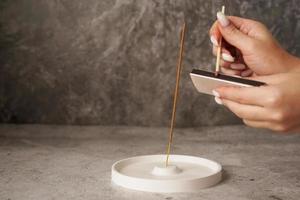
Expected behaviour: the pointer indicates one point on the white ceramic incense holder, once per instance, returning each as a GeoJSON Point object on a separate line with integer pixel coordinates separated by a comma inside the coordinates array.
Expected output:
{"type": "Point", "coordinates": [149, 173]}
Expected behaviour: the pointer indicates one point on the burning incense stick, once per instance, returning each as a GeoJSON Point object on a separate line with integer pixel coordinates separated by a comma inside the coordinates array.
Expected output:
{"type": "Point", "coordinates": [219, 50]}
{"type": "Point", "coordinates": [179, 67]}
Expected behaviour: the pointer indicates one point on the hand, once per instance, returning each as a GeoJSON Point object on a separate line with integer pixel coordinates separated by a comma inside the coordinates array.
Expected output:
{"type": "Point", "coordinates": [275, 106]}
{"type": "Point", "coordinates": [249, 47]}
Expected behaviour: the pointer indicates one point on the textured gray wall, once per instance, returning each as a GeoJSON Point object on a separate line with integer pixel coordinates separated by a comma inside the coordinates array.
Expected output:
{"type": "Point", "coordinates": [113, 62]}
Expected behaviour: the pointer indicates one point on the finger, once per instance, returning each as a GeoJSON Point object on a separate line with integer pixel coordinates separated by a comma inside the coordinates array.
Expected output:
{"type": "Point", "coordinates": [238, 66]}
{"type": "Point", "coordinates": [215, 49]}
{"type": "Point", "coordinates": [224, 64]}
{"type": "Point", "coordinates": [214, 33]}
{"type": "Point", "coordinates": [243, 23]}
{"type": "Point", "coordinates": [246, 95]}
{"type": "Point", "coordinates": [247, 25]}
{"type": "Point", "coordinates": [247, 72]}
{"type": "Point", "coordinates": [258, 124]}
{"type": "Point", "coordinates": [226, 55]}
{"type": "Point", "coordinates": [232, 50]}
{"type": "Point", "coordinates": [265, 124]}
{"type": "Point", "coordinates": [248, 112]}
{"type": "Point", "coordinates": [230, 72]}
{"type": "Point", "coordinates": [232, 34]}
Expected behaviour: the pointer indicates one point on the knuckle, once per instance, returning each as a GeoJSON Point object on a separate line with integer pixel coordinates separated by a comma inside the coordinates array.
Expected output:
{"type": "Point", "coordinates": [244, 28]}
{"type": "Point", "coordinates": [276, 98]}
{"type": "Point", "coordinates": [282, 128]}
{"type": "Point", "coordinates": [231, 30]}
{"type": "Point", "coordinates": [235, 93]}
{"type": "Point", "coordinates": [239, 98]}
{"type": "Point", "coordinates": [280, 116]}
{"type": "Point", "coordinates": [225, 91]}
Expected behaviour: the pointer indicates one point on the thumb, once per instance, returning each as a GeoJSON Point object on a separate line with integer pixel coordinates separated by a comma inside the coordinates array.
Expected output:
{"type": "Point", "coordinates": [232, 34]}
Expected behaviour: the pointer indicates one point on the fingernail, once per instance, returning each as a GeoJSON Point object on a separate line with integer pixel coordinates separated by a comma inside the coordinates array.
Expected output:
{"type": "Point", "coordinates": [215, 93]}
{"type": "Point", "coordinates": [218, 101]}
{"type": "Point", "coordinates": [237, 66]}
{"type": "Point", "coordinates": [222, 19]}
{"type": "Point", "coordinates": [227, 57]}
{"type": "Point", "coordinates": [213, 40]}
{"type": "Point", "coordinates": [247, 72]}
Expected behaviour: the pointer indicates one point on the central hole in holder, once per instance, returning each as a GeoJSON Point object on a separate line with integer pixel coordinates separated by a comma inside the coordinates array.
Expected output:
{"type": "Point", "coordinates": [166, 171]}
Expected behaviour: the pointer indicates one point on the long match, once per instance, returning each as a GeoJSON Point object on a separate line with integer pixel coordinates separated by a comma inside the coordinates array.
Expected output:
{"type": "Point", "coordinates": [217, 69]}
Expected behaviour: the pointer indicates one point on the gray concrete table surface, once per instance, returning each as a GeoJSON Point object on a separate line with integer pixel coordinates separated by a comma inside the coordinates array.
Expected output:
{"type": "Point", "coordinates": [74, 162]}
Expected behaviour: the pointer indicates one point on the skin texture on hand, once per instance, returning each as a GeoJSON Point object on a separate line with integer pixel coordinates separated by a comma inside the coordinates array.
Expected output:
{"type": "Point", "coordinates": [274, 106]}
{"type": "Point", "coordinates": [251, 51]}
{"type": "Point", "coordinates": [249, 48]}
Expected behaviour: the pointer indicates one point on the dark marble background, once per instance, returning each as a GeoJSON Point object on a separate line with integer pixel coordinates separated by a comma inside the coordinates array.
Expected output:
{"type": "Point", "coordinates": [113, 61]}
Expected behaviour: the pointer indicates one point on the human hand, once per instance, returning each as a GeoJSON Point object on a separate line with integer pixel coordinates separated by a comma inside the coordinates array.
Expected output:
{"type": "Point", "coordinates": [248, 47]}
{"type": "Point", "coordinates": [274, 106]}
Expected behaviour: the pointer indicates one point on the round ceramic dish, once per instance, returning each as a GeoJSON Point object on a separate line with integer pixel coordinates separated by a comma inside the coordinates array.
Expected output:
{"type": "Point", "coordinates": [183, 174]}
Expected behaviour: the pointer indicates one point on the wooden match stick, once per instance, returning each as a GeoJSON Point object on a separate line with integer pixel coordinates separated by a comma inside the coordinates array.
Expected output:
{"type": "Point", "coordinates": [219, 50]}
{"type": "Point", "coordinates": [179, 67]}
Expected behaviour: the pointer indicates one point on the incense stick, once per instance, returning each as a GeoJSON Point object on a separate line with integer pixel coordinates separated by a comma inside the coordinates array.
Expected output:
{"type": "Point", "coordinates": [179, 67]}
{"type": "Point", "coordinates": [219, 50]}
